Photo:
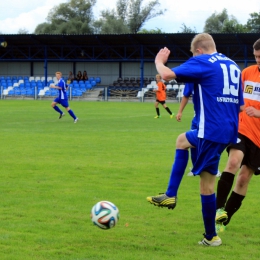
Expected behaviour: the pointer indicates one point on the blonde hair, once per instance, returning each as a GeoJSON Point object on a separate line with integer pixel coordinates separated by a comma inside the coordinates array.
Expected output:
{"type": "Point", "coordinates": [203, 41]}
{"type": "Point", "coordinates": [158, 75]}
{"type": "Point", "coordinates": [58, 72]}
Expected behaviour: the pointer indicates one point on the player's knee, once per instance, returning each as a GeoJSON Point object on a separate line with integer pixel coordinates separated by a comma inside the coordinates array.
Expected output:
{"type": "Point", "coordinates": [233, 164]}
{"type": "Point", "coordinates": [182, 142]}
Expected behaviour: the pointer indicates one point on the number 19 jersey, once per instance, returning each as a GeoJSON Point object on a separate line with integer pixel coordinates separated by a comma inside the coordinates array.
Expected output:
{"type": "Point", "coordinates": [217, 95]}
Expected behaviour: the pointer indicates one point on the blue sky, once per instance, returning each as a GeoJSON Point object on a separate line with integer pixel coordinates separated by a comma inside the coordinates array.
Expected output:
{"type": "Point", "coordinates": [27, 14]}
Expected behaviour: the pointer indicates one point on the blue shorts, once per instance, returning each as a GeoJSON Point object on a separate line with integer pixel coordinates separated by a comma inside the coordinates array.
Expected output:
{"type": "Point", "coordinates": [208, 156]}
{"type": "Point", "coordinates": [63, 102]}
{"type": "Point", "coordinates": [192, 137]}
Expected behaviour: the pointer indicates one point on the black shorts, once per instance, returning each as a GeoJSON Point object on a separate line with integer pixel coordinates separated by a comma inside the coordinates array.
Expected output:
{"type": "Point", "coordinates": [251, 153]}
{"type": "Point", "coordinates": [161, 102]}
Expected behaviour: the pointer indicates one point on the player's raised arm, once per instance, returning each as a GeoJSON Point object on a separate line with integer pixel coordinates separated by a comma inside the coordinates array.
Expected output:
{"type": "Point", "coordinates": [161, 58]}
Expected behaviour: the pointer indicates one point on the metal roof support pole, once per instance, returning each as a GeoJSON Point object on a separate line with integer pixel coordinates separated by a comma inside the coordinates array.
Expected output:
{"type": "Point", "coordinates": [31, 68]}
{"type": "Point", "coordinates": [245, 56]}
{"type": "Point", "coordinates": [120, 69]}
{"type": "Point", "coordinates": [45, 65]}
{"type": "Point", "coordinates": [142, 66]}
{"type": "Point", "coordinates": [74, 69]}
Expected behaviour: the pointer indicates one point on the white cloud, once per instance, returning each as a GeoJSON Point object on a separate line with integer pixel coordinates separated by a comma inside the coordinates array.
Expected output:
{"type": "Point", "coordinates": [27, 14]}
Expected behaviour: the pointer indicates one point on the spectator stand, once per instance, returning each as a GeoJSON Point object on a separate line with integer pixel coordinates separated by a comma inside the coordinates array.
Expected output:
{"type": "Point", "coordinates": [124, 88]}
{"type": "Point", "coordinates": [36, 88]}
{"type": "Point", "coordinates": [174, 91]}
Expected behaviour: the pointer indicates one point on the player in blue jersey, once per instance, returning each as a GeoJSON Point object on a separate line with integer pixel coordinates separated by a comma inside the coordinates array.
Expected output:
{"type": "Point", "coordinates": [217, 101]}
{"type": "Point", "coordinates": [62, 98]}
{"type": "Point", "coordinates": [187, 92]}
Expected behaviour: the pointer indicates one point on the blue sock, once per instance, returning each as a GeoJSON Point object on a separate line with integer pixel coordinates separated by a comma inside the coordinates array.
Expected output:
{"type": "Point", "coordinates": [193, 155]}
{"type": "Point", "coordinates": [72, 114]}
{"type": "Point", "coordinates": [178, 169]}
{"type": "Point", "coordinates": [208, 203]}
{"type": "Point", "coordinates": [58, 109]}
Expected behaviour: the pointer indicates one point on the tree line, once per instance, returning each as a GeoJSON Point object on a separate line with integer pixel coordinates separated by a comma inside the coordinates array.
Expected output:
{"type": "Point", "coordinates": [129, 16]}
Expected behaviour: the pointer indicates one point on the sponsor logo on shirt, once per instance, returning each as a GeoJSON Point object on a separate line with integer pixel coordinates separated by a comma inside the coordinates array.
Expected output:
{"type": "Point", "coordinates": [248, 89]}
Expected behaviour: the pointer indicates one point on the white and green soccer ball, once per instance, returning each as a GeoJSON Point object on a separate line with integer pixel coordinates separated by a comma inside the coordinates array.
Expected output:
{"type": "Point", "coordinates": [105, 214]}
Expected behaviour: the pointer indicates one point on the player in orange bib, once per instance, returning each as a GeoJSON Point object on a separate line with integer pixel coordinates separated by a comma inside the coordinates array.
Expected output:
{"type": "Point", "coordinates": [246, 152]}
{"type": "Point", "coordinates": [161, 97]}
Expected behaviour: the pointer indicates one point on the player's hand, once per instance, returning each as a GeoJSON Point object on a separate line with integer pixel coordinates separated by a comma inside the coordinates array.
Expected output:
{"type": "Point", "coordinates": [178, 117]}
{"type": "Point", "coordinates": [252, 112]}
{"type": "Point", "coordinates": [162, 56]}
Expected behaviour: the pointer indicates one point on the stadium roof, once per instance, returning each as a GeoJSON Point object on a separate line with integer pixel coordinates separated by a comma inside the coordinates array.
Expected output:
{"type": "Point", "coordinates": [122, 47]}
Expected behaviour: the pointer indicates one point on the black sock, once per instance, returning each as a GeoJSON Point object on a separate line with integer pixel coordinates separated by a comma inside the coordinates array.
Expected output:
{"type": "Point", "coordinates": [157, 111]}
{"type": "Point", "coordinates": [233, 204]}
{"type": "Point", "coordinates": [224, 187]}
{"type": "Point", "coordinates": [168, 110]}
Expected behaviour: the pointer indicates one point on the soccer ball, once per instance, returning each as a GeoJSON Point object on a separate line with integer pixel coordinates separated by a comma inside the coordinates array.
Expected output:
{"type": "Point", "coordinates": [105, 214]}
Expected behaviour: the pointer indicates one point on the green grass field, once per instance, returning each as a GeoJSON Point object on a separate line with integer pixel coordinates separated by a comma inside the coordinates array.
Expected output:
{"type": "Point", "coordinates": [53, 171]}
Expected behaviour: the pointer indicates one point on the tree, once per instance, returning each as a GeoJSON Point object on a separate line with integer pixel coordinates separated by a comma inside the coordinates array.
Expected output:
{"type": "Point", "coordinates": [223, 23]}
{"type": "Point", "coordinates": [74, 17]}
{"type": "Point", "coordinates": [214, 23]}
{"type": "Point", "coordinates": [185, 29]}
{"type": "Point", "coordinates": [232, 26]}
{"type": "Point", "coordinates": [110, 23]}
{"type": "Point", "coordinates": [253, 24]}
{"type": "Point", "coordinates": [155, 31]}
{"type": "Point", "coordinates": [22, 31]}
{"type": "Point", "coordinates": [129, 16]}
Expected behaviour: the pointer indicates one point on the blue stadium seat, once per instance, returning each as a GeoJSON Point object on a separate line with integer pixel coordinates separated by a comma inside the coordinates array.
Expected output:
{"type": "Point", "coordinates": [98, 80]}
{"type": "Point", "coordinates": [83, 89]}
{"type": "Point", "coordinates": [23, 92]}
{"type": "Point", "coordinates": [47, 93]}
{"type": "Point", "coordinates": [93, 83]}
{"type": "Point", "coordinates": [88, 86]}
{"type": "Point", "coordinates": [17, 92]}
{"type": "Point", "coordinates": [10, 93]}
{"type": "Point", "coordinates": [29, 92]}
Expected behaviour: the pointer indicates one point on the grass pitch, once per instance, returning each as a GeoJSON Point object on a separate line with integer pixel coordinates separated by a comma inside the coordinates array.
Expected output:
{"type": "Point", "coordinates": [53, 171]}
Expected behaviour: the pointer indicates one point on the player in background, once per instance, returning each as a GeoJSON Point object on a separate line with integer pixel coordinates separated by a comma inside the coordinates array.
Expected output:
{"type": "Point", "coordinates": [62, 98]}
{"type": "Point", "coordinates": [161, 97]}
{"type": "Point", "coordinates": [217, 92]}
{"type": "Point", "coordinates": [246, 152]}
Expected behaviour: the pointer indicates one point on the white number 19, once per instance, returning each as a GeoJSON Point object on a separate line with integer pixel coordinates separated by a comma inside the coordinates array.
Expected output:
{"type": "Point", "coordinates": [234, 75]}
